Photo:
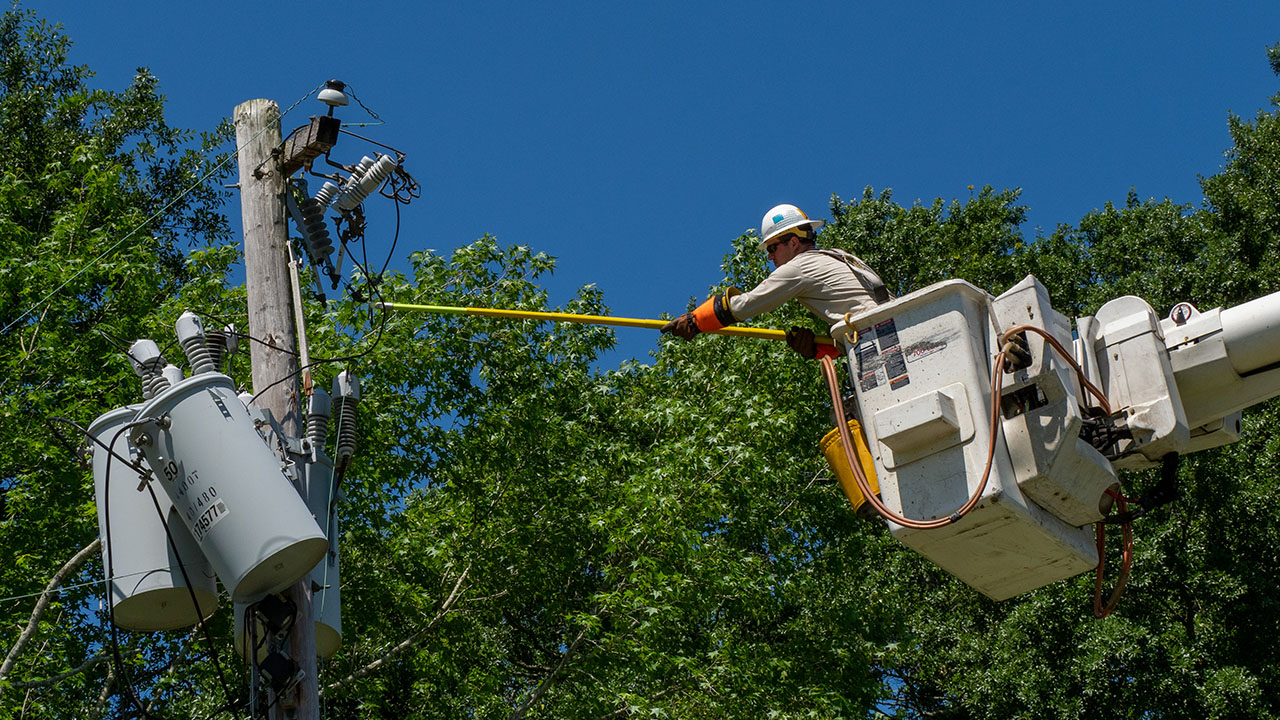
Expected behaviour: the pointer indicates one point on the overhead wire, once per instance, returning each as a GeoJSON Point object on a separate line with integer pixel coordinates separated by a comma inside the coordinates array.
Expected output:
{"type": "Point", "coordinates": [173, 548]}
{"type": "Point", "coordinates": [372, 114]}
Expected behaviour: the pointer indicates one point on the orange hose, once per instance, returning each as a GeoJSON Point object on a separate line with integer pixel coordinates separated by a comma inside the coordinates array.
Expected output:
{"type": "Point", "coordinates": [1094, 391]}
{"type": "Point", "coordinates": [1126, 562]}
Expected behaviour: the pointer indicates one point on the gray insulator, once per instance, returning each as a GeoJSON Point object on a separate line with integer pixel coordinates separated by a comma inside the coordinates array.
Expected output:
{"type": "Point", "coordinates": [318, 410]}
{"type": "Point", "coordinates": [327, 193]}
{"type": "Point", "coordinates": [346, 396]}
{"type": "Point", "coordinates": [148, 363]}
{"type": "Point", "coordinates": [319, 244]}
{"type": "Point", "coordinates": [220, 344]}
{"type": "Point", "coordinates": [368, 181]}
{"type": "Point", "coordinates": [191, 338]}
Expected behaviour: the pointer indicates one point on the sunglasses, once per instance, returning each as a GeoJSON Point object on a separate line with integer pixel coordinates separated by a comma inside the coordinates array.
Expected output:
{"type": "Point", "coordinates": [773, 246]}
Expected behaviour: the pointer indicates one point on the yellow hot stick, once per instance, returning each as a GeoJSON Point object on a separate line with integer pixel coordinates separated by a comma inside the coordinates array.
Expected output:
{"type": "Point", "coordinates": [762, 333]}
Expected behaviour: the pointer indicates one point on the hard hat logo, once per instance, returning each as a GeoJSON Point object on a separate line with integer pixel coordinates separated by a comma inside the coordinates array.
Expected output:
{"type": "Point", "coordinates": [778, 218]}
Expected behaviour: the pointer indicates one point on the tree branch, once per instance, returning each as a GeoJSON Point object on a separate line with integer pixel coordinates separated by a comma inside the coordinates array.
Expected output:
{"type": "Point", "coordinates": [55, 679]}
{"type": "Point", "coordinates": [45, 598]}
{"type": "Point", "coordinates": [549, 680]}
{"type": "Point", "coordinates": [407, 643]}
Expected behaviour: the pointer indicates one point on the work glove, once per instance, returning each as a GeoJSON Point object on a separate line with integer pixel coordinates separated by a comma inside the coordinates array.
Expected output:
{"type": "Point", "coordinates": [802, 341]}
{"type": "Point", "coordinates": [683, 327]}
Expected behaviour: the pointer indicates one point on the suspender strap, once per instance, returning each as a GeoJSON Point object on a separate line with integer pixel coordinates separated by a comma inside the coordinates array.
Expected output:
{"type": "Point", "coordinates": [870, 281]}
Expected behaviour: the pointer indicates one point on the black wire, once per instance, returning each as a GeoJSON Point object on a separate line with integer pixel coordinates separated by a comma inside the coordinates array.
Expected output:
{"type": "Point", "coordinates": [191, 592]}
{"type": "Point", "coordinates": [71, 449]}
{"type": "Point", "coordinates": [79, 427]}
{"type": "Point", "coordinates": [115, 342]}
{"type": "Point", "coordinates": [391, 253]}
{"type": "Point", "coordinates": [106, 512]}
{"type": "Point", "coordinates": [111, 606]}
{"type": "Point", "coordinates": [377, 340]}
{"type": "Point", "coordinates": [373, 114]}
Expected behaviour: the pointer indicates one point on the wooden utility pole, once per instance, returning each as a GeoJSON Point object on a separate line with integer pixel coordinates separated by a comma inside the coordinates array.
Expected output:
{"type": "Point", "coordinates": [266, 259]}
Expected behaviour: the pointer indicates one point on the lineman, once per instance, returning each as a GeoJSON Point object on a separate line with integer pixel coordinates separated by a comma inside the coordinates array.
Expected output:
{"type": "Point", "coordinates": [829, 283]}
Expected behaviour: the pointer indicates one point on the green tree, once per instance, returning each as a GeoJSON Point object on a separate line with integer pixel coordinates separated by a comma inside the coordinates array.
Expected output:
{"type": "Point", "coordinates": [90, 258]}
{"type": "Point", "coordinates": [527, 536]}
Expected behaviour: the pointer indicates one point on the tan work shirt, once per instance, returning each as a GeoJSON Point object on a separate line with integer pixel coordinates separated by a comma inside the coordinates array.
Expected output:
{"type": "Point", "coordinates": [827, 286]}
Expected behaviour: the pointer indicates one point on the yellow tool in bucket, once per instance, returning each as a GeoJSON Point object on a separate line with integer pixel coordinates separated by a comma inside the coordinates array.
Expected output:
{"type": "Point", "coordinates": [834, 452]}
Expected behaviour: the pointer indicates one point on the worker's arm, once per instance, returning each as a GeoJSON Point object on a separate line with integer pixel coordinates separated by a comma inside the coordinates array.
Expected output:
{"type": "Point", "coordinates": [783, 284]}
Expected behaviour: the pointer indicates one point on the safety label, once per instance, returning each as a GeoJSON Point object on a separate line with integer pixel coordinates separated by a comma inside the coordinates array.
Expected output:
{"type": "Point", "coordinates": [880, 357]}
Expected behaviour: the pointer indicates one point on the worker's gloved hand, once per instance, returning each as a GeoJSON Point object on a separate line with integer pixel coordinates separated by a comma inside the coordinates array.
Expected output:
{"type": "Point", "coordinates": [683, 327]}
{"type": "Point", "coordinates": [802, 341]}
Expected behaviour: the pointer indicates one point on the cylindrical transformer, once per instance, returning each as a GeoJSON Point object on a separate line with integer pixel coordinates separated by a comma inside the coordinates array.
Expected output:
{"type": "Point", "coordinates": [326, 599]}
{"type": "Point", "coordinates": [148, 592]}
{"type": "Point", "coordinates": [230, 489]}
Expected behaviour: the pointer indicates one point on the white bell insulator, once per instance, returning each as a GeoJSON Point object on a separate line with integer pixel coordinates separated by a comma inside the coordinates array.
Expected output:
{"type": "Point", "coordinates": [148, 364]}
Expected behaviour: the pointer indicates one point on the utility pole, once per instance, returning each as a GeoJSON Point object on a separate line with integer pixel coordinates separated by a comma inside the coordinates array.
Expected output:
{"type": "Point", "coordinates": [266, 258]}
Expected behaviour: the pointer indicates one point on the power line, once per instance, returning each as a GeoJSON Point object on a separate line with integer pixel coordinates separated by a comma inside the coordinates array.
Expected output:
{"type": "Point", "coordinates": [147, 222]}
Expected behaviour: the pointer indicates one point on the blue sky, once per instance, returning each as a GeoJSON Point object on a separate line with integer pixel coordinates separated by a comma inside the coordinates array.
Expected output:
{"type": "Point", "coordinates": [634, 141]}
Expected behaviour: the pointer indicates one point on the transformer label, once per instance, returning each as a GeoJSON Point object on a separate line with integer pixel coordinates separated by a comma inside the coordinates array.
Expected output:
{"type": "Point", "coordinates": [199, 503]}
{"type": "Point", "coordinates": [213, 515]}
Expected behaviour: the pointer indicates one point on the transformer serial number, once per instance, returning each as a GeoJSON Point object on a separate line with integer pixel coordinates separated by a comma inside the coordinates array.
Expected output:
{"type": "Point", "coordinates": [210, 517]}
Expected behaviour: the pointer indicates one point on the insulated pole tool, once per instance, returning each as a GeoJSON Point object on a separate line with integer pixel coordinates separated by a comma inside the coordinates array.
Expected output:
{"type": "Point", "coordinates": [762, 333]}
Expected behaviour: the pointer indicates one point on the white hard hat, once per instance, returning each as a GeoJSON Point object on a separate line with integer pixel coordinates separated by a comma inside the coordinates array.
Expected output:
{"type": "Point", "coordinates": [782, 218]}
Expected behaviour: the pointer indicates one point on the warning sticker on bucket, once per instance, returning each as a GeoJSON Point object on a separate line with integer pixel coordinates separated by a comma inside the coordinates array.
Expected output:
{"type": "Point", "coordinates": [210, 517]}
{"type": "Point", "coordinates": [880, 357]}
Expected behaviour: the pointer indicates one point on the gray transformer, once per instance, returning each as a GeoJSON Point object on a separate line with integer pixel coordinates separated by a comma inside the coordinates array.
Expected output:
{"type": "Point", "coordinates": [229, 488]}
{"type": "Point", "coordinates": [148, 592]}
{"type": "Point", "coordinates": [326, 601]}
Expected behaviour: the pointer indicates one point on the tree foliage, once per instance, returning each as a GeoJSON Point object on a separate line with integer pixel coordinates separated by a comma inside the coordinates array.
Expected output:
{"type": "Point", "coordinates": [527, 535]}
{"type": "Point", "coordinates": [88, 262]}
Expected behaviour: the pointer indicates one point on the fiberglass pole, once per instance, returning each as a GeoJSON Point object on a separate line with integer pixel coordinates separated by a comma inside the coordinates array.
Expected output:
{"type": "Point", "coordinates": [762, 333]}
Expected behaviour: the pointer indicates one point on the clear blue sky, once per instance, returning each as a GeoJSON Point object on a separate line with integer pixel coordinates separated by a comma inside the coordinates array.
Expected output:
{"type": "Point", "coordinates": [634, 141]}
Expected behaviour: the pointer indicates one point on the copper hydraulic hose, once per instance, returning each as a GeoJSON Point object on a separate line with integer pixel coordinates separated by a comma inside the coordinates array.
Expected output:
{"type": "Point", "coordinates": [833, 385]}
{"type": "Point", "coordinates": [1126, 561]}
